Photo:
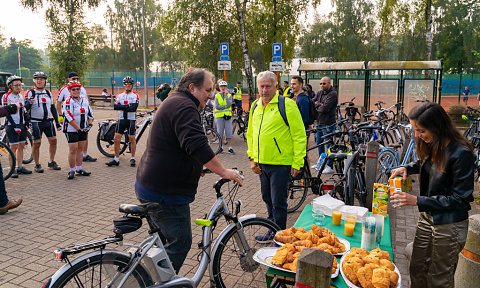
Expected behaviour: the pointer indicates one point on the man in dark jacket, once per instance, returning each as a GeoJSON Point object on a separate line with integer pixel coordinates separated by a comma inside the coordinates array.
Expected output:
{"type": "Point", "coordinates": [326, 102]}
{"type": "Point", "coordinates": [171, 166]}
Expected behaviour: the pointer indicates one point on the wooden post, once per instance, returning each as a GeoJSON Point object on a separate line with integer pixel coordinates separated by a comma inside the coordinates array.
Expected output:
{"type": "Point", "coordinates": [224, 75]}
{"type": "Point", "coordinates": [468, 267]}
{"type": "Point", "coordinates": [314, 268]}
{"type": "Point", "coordinates": [371, 170]}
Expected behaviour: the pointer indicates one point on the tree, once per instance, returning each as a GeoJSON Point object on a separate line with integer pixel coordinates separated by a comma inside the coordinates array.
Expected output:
{"type": "Point", "coordinates": [68, 36]}
{"type": "Point", "coordinates": [30, 57]}
{"type": "Point", "coordinates": [127, 28]}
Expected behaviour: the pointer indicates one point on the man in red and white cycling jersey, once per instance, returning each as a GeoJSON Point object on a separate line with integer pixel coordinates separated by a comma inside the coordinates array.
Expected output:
{"type": "Point", "coordinates": [62, 96]}
{"type": "Point", "coordinates": [127, 104]}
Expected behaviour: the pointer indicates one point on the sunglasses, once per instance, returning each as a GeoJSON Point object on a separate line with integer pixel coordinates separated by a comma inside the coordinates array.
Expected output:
{"type": "Point", "coordinates": [323, 83]}
{"type": "Point", "coordinates": [76, 78]}
{"type": "Point", "coordinates": [75, 89]}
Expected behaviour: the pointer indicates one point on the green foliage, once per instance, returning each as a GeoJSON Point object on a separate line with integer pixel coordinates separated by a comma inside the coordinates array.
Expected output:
{"type": "Point", "coordinates": [30, 57]}
{"type": "Point", "coordinates": [456, 109]}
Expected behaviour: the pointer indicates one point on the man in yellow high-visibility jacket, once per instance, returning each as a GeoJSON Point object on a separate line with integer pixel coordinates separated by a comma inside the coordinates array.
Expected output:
{"type": "Point", "coordinates": [287, 91]}
{"type": "Point", "coordinates": [237, 98]}
{"type": "Point", "coordinates": [276, 150]}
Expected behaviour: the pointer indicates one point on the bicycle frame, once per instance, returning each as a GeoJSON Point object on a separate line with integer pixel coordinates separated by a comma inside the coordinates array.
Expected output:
{"type": "Point", "coordinates": [145, 122]}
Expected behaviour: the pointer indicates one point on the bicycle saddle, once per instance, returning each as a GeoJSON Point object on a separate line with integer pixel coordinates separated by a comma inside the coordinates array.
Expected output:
{"type": "Point", "coordinates": [337, 156]}
{"type": "Point", "coordinates": [140, 209]}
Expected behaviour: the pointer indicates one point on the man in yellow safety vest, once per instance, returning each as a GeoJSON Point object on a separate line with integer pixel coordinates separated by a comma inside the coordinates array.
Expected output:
{"type": "Point", "coordinates": [223, 114]}
{"type": "Point", "coordinates": [287, 91]}
{"type": "Point", "coordinates": [237, 98]}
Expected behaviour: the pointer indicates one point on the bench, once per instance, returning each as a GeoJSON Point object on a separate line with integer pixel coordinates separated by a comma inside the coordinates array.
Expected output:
{"type": "Point", "coordinates": [94, 98]}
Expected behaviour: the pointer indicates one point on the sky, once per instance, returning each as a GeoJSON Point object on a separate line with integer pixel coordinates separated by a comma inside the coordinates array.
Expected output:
{"type": "Point", "coordinates": [21, 23]}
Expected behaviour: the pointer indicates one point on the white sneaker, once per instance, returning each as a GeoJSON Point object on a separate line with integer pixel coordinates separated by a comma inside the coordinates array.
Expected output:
{"type": "Point", "coordinates": [314, 167]}
{"type": "Point", "coordinates": [327, 170]}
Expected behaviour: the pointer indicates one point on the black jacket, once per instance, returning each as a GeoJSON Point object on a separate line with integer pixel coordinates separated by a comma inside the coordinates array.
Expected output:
{"type": "Point", "coordinates": [176, 149]}
{"type": "Point", "coordinates": [326, 104]}
{"type": "Point", "coordinates": [446, 196]}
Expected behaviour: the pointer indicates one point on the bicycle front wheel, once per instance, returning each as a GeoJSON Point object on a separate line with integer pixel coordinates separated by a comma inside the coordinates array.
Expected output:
{"type": "Point", "coordinates": [8, 160]}
{"type": "Point", "coordinates": [98, 270]}
{"type": "Point", "coordinates": [213, 139]}
{"type": "Point", "coordinates": [233, 267]}
{"type": "Point", "coordinates": [386, 161]}
{"type": "Point", "coordinates": [27, 150]}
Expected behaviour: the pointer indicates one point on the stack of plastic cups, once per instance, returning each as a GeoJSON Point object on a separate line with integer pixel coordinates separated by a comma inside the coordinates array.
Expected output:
{"type": "Point", "coordinates": [368, 234]}
{"type": "Point", "coordinates": [317, 213]}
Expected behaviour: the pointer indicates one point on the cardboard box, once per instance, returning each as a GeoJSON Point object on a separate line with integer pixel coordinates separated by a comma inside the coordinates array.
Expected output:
{"type": "Point", "coordinates": [398, 184]}
{"type": "Point", "coordinates": [380, 199]}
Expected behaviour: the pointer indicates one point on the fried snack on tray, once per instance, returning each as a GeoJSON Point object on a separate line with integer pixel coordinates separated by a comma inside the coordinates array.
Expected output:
{"type": "Point", "coordinates": [381, 254]}
{"type": "Point", "coordinates": [335, 265]}
{"type": "Point", "coordinates": [281, 255]}
{"type": "Point", "coordinates": [285, 239]}
{"type": "Point", "coordinates": [387, 264]}
{"type": "Point", "coordinates": [364, 275]}
{"type": "Point", "coordinates": [317, 236]}
{"type": "Point", "coordinates": [351, 267]}
{"type": "Point", "coordinates": [372, 258]}
{"type": "Point", "coordinates": [320, 231]}
{"type": "Point", "coordinates": [325, 247]}
{"type": "Point", "coordinates": [291, 266]}
{"type": "Point", "coordinates": [287, 232]}
{"type": "Point", "coordinates": [306, 243]}
{"type": "Point", "coordinates": [393, 279]}
{"type": "Point", "coordinates": [381, 278]}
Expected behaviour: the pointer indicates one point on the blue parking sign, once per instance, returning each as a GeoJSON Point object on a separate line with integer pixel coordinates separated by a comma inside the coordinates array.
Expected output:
{"type": "Point", "coordinates": [223, 49]}
{"type": "Point", "coordinates": [277, 49]}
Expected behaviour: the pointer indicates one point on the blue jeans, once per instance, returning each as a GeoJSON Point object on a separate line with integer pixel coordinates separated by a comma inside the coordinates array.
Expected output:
{"type": "Point", "coordinates": [274, 185]}
{"type": "Point", "coordinates": [176, 232]}
{"type": "Point", "coordinates": [3, 192]}
{"type": "Point", "coordinates": [324, 130]}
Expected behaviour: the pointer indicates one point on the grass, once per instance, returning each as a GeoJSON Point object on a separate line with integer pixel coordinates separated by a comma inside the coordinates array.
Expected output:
{"type": "Point", "coordinates": [476, 199]}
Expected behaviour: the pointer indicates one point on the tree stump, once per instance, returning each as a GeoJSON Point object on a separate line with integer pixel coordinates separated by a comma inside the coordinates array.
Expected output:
{"type": "Point", "coordinates": [314, 268]}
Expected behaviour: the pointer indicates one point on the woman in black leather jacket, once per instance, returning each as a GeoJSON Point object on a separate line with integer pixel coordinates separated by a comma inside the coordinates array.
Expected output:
{"type": "Point", "coordinates": [446, 165]}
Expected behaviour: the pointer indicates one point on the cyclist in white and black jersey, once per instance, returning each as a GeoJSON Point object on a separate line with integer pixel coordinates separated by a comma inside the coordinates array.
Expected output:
{"type": "Point", "coordinates": [62, 96]}
{"type": "Point", "coordinates": [127, 104]}
{"type": "Point", "coordinates": [15, 123]}
{"type": "Point", "coordinates": [40, 105]}
{"type": "Point", "coordinates": [78, 121]}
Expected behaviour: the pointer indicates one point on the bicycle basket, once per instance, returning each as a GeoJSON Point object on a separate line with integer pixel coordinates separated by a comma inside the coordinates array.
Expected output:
{"type": "Point", "coordinates": [107, 131]}
{"type": "Point", "coordinates": [126, 224]}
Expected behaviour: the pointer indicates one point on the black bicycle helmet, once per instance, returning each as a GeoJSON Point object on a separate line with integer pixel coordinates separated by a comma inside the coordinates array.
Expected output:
{"type": "Point", "coordinates": [128, 80]}
{"type": "Point", "coordinates": [13, 78]}
{"type": "Point", "coordinates": [40, 74]}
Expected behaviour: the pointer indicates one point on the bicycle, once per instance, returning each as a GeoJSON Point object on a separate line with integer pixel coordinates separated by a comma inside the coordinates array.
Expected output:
{"type": "Point", "coordinates": [241, 122]}
{"type": "Point", "coordinates": [7, 160]}
{"type": "Point", "coordinates": [230, 263]}
{"type": "Point", "coordinates": [27, 149]}
{"type": "Point", "coordinates": [106, 131]}
{"type": "Point", "coordinates": [346, 184]}
{"type": "Point", "coordinates": [212, 135]}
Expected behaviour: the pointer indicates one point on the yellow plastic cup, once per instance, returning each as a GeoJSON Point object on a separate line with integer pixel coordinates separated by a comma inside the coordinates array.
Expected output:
{"type": "Point", "coordinates": [337, 217]}
{"type": "Point", "coordinates": [349, 228]}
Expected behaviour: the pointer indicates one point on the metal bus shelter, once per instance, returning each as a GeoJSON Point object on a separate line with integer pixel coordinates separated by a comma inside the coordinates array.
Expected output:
{"type": "Point", "coordinates": [407, 82]}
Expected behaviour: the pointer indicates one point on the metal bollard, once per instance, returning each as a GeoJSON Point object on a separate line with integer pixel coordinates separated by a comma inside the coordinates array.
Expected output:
{"type": "Point", "coordinates": [371, 170]}
{"type": "Point", "coordinates": [468, 267]}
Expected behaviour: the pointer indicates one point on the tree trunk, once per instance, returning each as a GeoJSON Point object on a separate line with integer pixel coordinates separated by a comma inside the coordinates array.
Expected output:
{"type": "Point", "coordinates": [428, 29]}
{"type": "Point", "coordinates": [241, 8]}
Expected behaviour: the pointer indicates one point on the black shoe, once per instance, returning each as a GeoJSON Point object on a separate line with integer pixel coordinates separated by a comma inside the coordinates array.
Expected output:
{"type": "Point", "coordinates": [38, 168]}
{"type": "Point", "coordinates": [14, 174]}
{"type": "Point", "coordinates": [71, 175]}
{"type": "Point", "coordinates": [83, 172]}
{"type": "Point", "coordinates": [89, 158]}
{"type": "Point", "coordinates": [54, 165]}
{"type": "Point", "coordinates": [230, 150]}
{"type": "Point", "coordinates": [132, 162]}
{"type": "Point", "coordinates": [23, 170]}
{"type": "Point", "coordinates": [112, 163]}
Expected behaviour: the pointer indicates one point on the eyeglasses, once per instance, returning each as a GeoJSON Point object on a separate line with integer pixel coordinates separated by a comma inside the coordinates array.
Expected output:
{"type": "Point", "coordinates": [17, 85]}
{"type": "Point", "coordinates": [323, 83]}
{"type": "Point", "coordinates": [75, 89]}
{"type": "Point", "coordinates": [75, 79]}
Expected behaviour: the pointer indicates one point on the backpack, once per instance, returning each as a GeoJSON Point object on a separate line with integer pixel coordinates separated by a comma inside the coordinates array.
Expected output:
{"type": "Point", "coordinates": [107, 131]}
{"type": "Point", "coordinates": [312, 111]}
{"type": "Point", "coordinates": [281, 108]}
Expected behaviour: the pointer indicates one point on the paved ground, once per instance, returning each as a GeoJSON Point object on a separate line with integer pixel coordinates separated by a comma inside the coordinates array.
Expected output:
{"type": "Point", "coordinates": [57, 212]}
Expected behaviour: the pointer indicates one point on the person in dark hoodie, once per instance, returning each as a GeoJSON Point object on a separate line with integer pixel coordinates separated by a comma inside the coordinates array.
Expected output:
{"type": "Point", "coordinates": [172, 163]}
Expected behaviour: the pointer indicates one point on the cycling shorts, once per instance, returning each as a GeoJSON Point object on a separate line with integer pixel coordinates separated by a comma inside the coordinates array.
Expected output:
{"type": "Point", "coordinates": [46, 127]}
{"type": "Point", "coordinates": [74, 137]}
{"type": "Point", "coordinates": [125, 124]}
{"type": "Point", "coordinates": [14, 137]}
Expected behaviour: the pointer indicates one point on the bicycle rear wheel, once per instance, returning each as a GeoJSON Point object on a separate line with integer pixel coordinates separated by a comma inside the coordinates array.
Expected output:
{"type": "Point", "coordinates": [386, 161]}
{"type": "Point", "coordinates": [232, 267]}
{"type": "Point", "coordinates": [27, 150]}
{"type": "Point", "coordinates": [98, 270]}
{"type": "Point", "coordinates": [297, 192]}
{"type": "Point", "coordinates": [107, 147]}
{"type": "Point", "coordinates": [356, 187]}
{"type": "Point", "coordinates": [7, 159]}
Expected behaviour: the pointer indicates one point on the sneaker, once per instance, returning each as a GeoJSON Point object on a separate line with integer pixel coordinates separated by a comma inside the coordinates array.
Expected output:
{"type": "Point", "coordinates": [315, 167]}
{"type": "Point", "coordinates": [54, 165]}
{"type": "Point", "coordinates": [265, 238]}
{"type": "Point", "coordinates": [14, 174]}
{"type": "Point", "coordinates": [23, 170]}
{"type": "Point", "coordinates": [71, 175]}
{"type": "Point", "coordinates": [112, 163]}
{"type": "Point", "coordinates": [132, 162]}
{"type": "Point", "coordinates": [230, 150]}
{"type": "Point", "coordinates": [83, 172]}
{"type": "Point", "coordinates": [327, 170]}
{"type": "Point", "coordinates": [38, 168]}
{"type": "Point", "coordinates": [89, 158]}
{"type": "Point", "coordinates": [220, 151]}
